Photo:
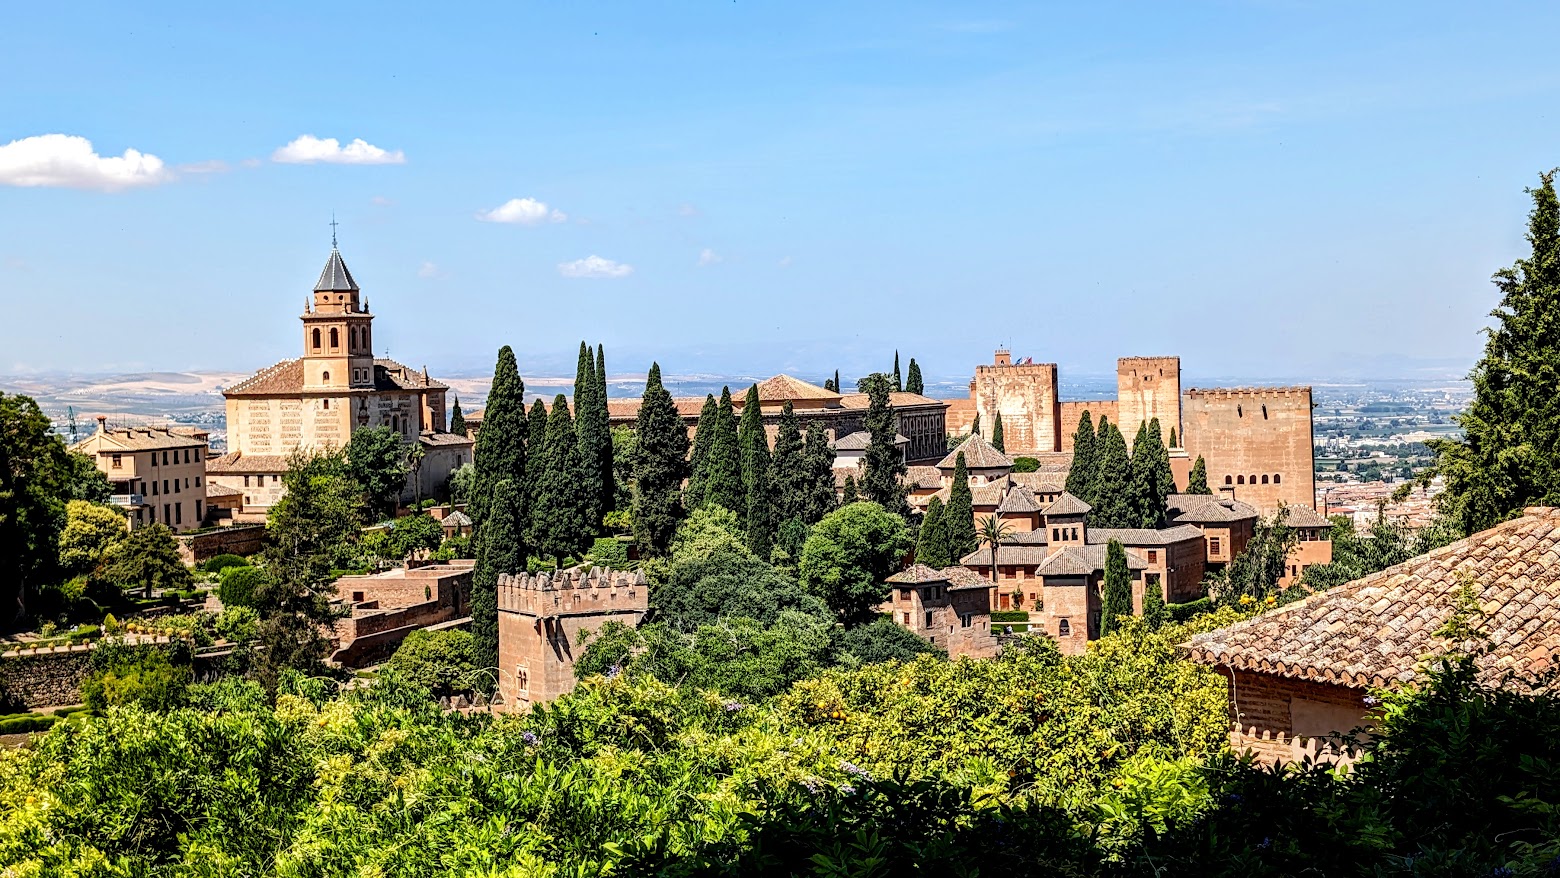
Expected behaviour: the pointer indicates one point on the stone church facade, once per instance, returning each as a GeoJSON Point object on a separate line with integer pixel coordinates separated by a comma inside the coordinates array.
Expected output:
{"type": "Point", "coordinates": [338, 386]}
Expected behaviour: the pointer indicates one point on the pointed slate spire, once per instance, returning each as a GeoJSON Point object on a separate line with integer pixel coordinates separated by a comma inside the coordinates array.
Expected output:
{"type": "Point", "coordinates": [335, 278]}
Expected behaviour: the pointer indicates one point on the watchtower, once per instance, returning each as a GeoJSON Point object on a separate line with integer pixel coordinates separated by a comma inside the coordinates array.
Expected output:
{"type": "Point", "coordinates": [541, 617]}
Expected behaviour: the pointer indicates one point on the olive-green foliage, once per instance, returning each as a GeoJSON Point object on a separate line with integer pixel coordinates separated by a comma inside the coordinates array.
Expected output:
{"type": "Point", "coordinates": [91, 535]}
{"type": "Point", "coordinates": [610, 552]}
{"type": "Point", "coordinates": [1355, 555]}
{"type": "Point", "coordinates": [1155, 613]}
{"type": "Point", "coordinates": [723, 477]}
{"type": "Point", "coordinates": [149, 680]}
{"type": "Point", "coordinates": [932, 546]}
{"type": "Point", "coordinates": [959, 514]}
{"type": "Point", "coordinates": [376, 458]}
{"type": "Point", "coordinates": [724, 583]}
{"type": "Point", "coordinates": [788, 469]}
{"type": "Point", "coordinates": [416, 531]}
{"type": "Point", "coordinates": [1085, 461]}
{"type": "Point", "coordinates": [1025, 465]}
{"type": "Point", "coordinates": [660, 464]}
{"type": "Point", "coordinates": [708, 530]}
{"type": "Point", "coordinates": [220, 563]}
{"type": "Point", "coordinates": [1254, 574]}
{"type": "Point", "coordinates": [848, 556]}
{"type": "Point", "coordinates": [237, 624]}
{"type": "Point", "coordinates": [239, 585]}
{"type": "Point", "coordinates": [149, 559]}
{"type": "Point", "coordinates": [443, 662]}
{"type": "Point", "coordinates": [881, 640]}
{"type": "Point", "coordinates": [1117, 600]}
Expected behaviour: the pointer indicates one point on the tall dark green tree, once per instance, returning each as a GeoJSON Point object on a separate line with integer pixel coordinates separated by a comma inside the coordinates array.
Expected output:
{"type": "Point", "coordinates": [959, 515]}
{"type": "Point", "coordinates": [758, 518]}
{"type": "Point", "coordinates": [849, 493]}
{"type": "Point", "coordinates": [1197, 481]}
{"type": "Point", "coordinates": [149, 559]}
{"type": "Point", "coordinates": [819, 459]}
{"type": "Point", "coordinates": [1085, 461]}
{"type": "Point", "coordinates": [457, 419]}
{"type": "Point", "coordinates": [699, 463]}
{"type": "Point", "coordinates": [660, 464]}
{"type": "Point", "coordinates": [604, 453]}
{"type": "Point", "coordinates": [913, 381]}
{"type": "Point", "coordinates": [535, 448]}
{"type": "Point", "coordinates": [899, 384]}
{"type": "Point", "coordinates": [997, 441]}
{"type": "Point", "coordinates": [1117, 600]}
{"type": "Point", "coordinates": [788, 468]}
{"type": "Point", "coordinates": [501, 549]}
{"type": "Point", "coordinates": [828, 384]}
{"type": "Point", "coordinates": [590, 434]}
{"type": "Point", "coordinates": [1509, 456]}
{"type": "Point", "coordinates": [932, 547]}
{"type": "Point", "coordinates": [563, 497]}
{"type": "Point", "coordinates": [1174, 442]}
{"type": "Point", "coordinates": [1164, 477]}
{"type": "Point", "coordinates": [723, 480]}
{"type": "Point", "coordinates": [500, 451]}
{"type": "Point", "coordinates": [1112, 503]}
{"type": "Point", "coordinates": [1151, 482]}
{"type": "Point", "coordinates": [883, 480]}
{"type": "Point", "coordinates": [837, 387]}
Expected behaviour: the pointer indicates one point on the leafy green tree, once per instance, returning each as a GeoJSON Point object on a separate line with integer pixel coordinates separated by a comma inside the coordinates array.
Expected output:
{"type": "Point", "coordinates": [913, 382]}
{"type": "Point", "coordinates": [819, 497]}
{"type": "Point", "coordinates": [462, 483]}
{"type": "Point", "coordinates": [563, 497]}
{"type": "Point", "coordinates": [723, 477]}
{"type": "Point", "coordinates": [1085, 461]}
{"type": "Point", "coordinates": [149, 559]}
{"type": "Point", "coordinates": [660, 463]}
{"type": "Point", "coordinates": [1254, 574]}
{"type": "Point", "coordinates": [788, 468]}
{"type": "Point", "coordinates": [457, 419]}
{"type": "Point", "coordinates": [899, 385]}
{"type": "Point", "coordinates": [1197, 482]}
{"type": "Point", "coordinates": [376, 458]}
{"type": "Point", "coordinates": [848, 556]}
{"type": "Point", "coordinates": [727, 583]}
{"type": "Point", "coordinates": [699, 462]}
{"type": "Point", "coordinates": [500, 452]}
{"type": "Point", "coordinates": [590, 435]}
{"type": "Point", "coordinates": [1112, 504]}
{"type": "Point", "coordinates": [706, 531]}
{"type": "Point", "coordinates": [1384, 544]}
{"type": "Point", "coordinates": [92, 533]}
{"type": "Point", "coordinates": [883, 481]}
{"type": "Point", "coordinates": [828, 384]}
{"type": "Point", "coordinates": [240, 585]}
{"type": "Point", "coordinates": [757, 487]}
{"type": "Point", "coordinates": [501, 549]}
{"type": "Point", "coordinates": [959, 515]}
{"type": "Point", "coordinates": [932, 547]}
{"type": "Point", "coordinates": [413, 532]}
{"type": "Point", "coordinates": [144, 678]}
{"type": "Point", "coordinates": [443, 662]}
{"type": "Point", "coordinates": [1117, 600]}
{"type": "Point", "coordinates": [883, 641]}
{"type": "Point", "coordinates": [1509, 456]}
{"type": "Point", "coordinates": [997, 440]}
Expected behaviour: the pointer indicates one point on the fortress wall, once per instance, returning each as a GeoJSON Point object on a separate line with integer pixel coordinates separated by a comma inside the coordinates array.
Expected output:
{"type": "Point", "coordinates": [1069, 413]}
{"type": "Point", "coordinates": [1148, 388]}
{"type": "Point", "coordinates": [1261, 432]}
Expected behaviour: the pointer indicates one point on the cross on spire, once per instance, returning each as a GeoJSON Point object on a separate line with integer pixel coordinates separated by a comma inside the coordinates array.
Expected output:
{"type": "Point", "coordinates": [333, 225]}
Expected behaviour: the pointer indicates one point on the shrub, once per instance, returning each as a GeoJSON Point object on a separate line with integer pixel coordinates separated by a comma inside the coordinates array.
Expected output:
{"type": "Point", "coordinates": [21, 724]}
{"type": "Point", "coordinates": [147, 678]}
{"type": "Point", "coordinates": [237, 623]}
{"type": "Point", "coordinates": [224, 562]}
{"type": "Point", "coordinates": [444, 662]}
{"type": "Point", "coordinates": [1025, 465]}
{"type": "Point", "coordinates": [610, 552]}
{"type": "Point", "coordinates": [240, 585]}
{"type": "Point", "coordinates": [1009, 615]}
{"type": "Point", "coordinates": [1183, 611]}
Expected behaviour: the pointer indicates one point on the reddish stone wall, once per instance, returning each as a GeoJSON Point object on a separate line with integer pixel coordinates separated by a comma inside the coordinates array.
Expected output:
{"type": "Point", "coordinates": [1262, 433]}
{"type": "Point", "coordinates": [202, 547]}
{"type": "Point", "coordinates": [1069, 413]}
{"type": "Point", "coordinates": [540, 621]}
{"type": "Point", "coordinates": [1075, 599]}
{"type": "Point", "coordinates": [1148, 388]}
{"type": "Point", "coordinates": [1264, 709]}
{"type": "Point", "coordinates": [1026, 396]}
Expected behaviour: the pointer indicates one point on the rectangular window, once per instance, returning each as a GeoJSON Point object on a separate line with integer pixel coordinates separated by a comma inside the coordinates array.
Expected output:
{"type": "Point", "coordinates": [167, 514]}
{"type": "Point", "coordinates": [154, 514]}
{"type": "Point", "coordinates": [197, 481]}
{"type": "Point", "coordinates": [178, 513]}
{"type": "Point", "coordinates": [1213, 545]}
{"type": "Point", "coordinates": [904, 594]}
{"type": "Point", "coordinates": [197, 455]}
{"type": "Point", "coordinates": [1153, 556]}
{"type": "Point", "coordinates": [246, 481]}
{"type": "Point", "coordinates": [154, 487]}
{"type": "Point", "coordinates": [966, 619]}
{"type": "Point", "coordinates": [116, 461]}
{"type": "Point", "coordinates": [200, 513]}
{"type": "Point", "coordinates": [928, 618]}
{"type": "Point", "coordinates": [175, 486]}
{"type": "Point", "coordinates": [165, 458]}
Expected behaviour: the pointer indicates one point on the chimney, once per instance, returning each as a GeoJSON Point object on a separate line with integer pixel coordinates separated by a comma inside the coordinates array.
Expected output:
{"type": "Point", "coordinates": [102, 423]}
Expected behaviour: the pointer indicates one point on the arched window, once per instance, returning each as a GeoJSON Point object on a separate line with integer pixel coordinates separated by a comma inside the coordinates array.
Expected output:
{"type": "Point", "coordinates": [1253, 478]}
{"type": "Point", "coordinates": [1063, 629]}
{"type": "Point", "coordinates": [1277, 479]}
{"type": "Point", "coordinates": [316, 339]}
{"type": "Point", "coordinates": [335, 337]}
{"type": "Point", "coordinates": [352, 336]}
{"type": "Point", "coordinates": [1241, 480]}
{"type": "Point", "coordinates": [1264, 478]}
{"type": "Point", "coordinates": [325, 377]}
{"type": "Point", "coordinates": [1228, 480]}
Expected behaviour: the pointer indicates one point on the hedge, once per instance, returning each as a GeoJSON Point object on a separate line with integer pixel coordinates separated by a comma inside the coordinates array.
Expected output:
{"type": "Point", "coordinates": [1009, 616]}
{"type": "Point", "coordinates": [1182, 612]}
{"type": "Point", "coordinates": [20, 724]}
{"type": "Point", "coordinates": [223, 562]}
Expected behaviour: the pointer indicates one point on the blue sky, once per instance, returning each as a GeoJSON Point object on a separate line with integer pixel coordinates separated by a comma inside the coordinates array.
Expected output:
{"type": "Point", "coordinates": [1269, 189]}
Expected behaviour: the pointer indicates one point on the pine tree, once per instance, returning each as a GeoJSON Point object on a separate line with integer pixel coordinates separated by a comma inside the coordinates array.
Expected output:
{"type": "Point", "coordinates": [604, 460]}
{"type": "Point", "coordinates": [758, 516]}
{"type": "Point", "coordinates": [699, 463]}
{"type": "Point", "coordinates": [828, 384]}
{"type": "Point", "coordinates": [500, 451]}
{"type": "Point", "coordinates": [1509, 456]}
{"type": "Point", "coordinates": [457, 420]}
{"type": "Point", "coordinates": [789, 468]}
{"type": "Point", "coordinates": [723, 482]}
{"type": "Point", "coordinates": [1197, 482]}
{"type": "Point", "coordinates": [1112, 504]}
{"type": "Point", "coordinates": [819, 458]}
{"type": "Point", "coordinates": [899, 385]}
{"type": "Point", "coordinates": [959, 515]}
{"type": "Point", "coordinates": [932, 547]}
{"type": "Point", "coordinates": [563, 497]}
{"type": "Point", "coordinates": [1085, 461]}
{"type": "Point", "coordinates": [1118, 587]}
{"type": "Point", "coordinates": [883, 481]}
{"type": "Point", "coordinates": [913, 382]}
{"type": "Point", "coordinates": [588, 436]}
{"type": "Point", "coordinates": [501, 549]}
{"type": "Point", "coordinates": [660, 463]}
{"type": "Point", "coordinates": [996, 434]}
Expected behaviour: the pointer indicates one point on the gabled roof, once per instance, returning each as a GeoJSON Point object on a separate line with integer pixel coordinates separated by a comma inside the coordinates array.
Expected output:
{"type": "Point", "coordinates": [456, 519]}
{"type": "Point", "coordinates": [783, 387]}
{"type": "Point", "coordinates": [1045, 480]}
{"type": "Point", "coordinates": [239, 463]}
{"type": "Point", "coordinates": [1377, 630]}
{"type": "Point", "coordinates": [335, 278]}
{"type": "Point", "coordinates": [1304, 516]}
{"type": "Point", "coordinates": [444, 440]}
{"type": "Point", "coordinates": [1143, 536]}
{"type": "Point", "coordinates": [978, 454]}
{"type": "Point", "coordinates": [1208, 509]}
{"type": "Point", "coordinates": [1081, 561]}
{"type": "Point", "coordinates": [1019, 500]}
{"type": "Point", "coordinates": [923, 477]}
{"type": "Point", "coordinates": [131, 439]}
{"type": "Point", "coordinates": [1007, 554]}
{"type": "Point", "coordinates": [917, 574]}
{"type": "Point", "coordinates": [897, 399]}
{"type": "Point", "coordinates": [960, 578]}
{"type": "Point", "coordinates": [1067, 504]}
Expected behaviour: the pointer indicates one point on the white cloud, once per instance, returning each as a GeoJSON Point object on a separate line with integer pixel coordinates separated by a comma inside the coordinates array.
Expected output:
{"type": "Point", "coordinates": [708, 257]}
{"type": "Point", "coordinates": [63, 160]}
{"type": "Point", "coordinates": [687, 210]}
{"type": "Point", "coordinates": [308, 149]}
{"type": "Point", "coordinates": [430, 271]}
{"type": "Point", "coordinates": [522, 212]}
{"type": "Point", "coordinates": [381, 201]}
{"type": "Point", "coordinates": [594, 266]}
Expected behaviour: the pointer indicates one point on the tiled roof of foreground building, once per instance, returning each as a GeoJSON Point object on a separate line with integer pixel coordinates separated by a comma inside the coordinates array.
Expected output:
{"type": "Point", "coordinates": [1377, 631]}
{"type": "Point", "coordinates": [978, 454]}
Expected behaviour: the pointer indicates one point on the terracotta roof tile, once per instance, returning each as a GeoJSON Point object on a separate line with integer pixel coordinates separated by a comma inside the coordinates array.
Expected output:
{"type": "Point", "coordinates": [783, 387]}
{"type": "Point", "coordinates": [139, 439]}
{"type": "Point", "coordinates": [1067, 504]}
{"type": "Point", "coordinates": [898, 400]}
{"type": "Point", "coordinates": [1081, 561]}
{"type": "Point", "coordinates": [1143, 536]}
{"type": "Point", "coordinates": [283, 377]}
{"type": "Point", "coordinates": [1019, 499]}
{"type": "Point", "coordinates": [917, 574]}
{"type": "Point", "coordinates": [923, 477]}
{"type": "Point", "coordinates": [978, 454]}
{"type": "Point", "coordinates": [239, 463]}
{"type": "Point", "coordinates": [1208, 509]}
{"type": "Point", "coordinates": [963, 577]}
{"type": "Point", "coordinates": [1377, 630]}
{"type": "Point", "coordinates": [1007, 553]}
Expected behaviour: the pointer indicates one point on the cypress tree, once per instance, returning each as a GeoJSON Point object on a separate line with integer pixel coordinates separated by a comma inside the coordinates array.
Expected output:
{"type": "Point", "coordinates": [837, 387]}
{"type": "Point", "coordinates": [501, 445]}
{"type": "Point", "coordinates": [1155, 613]}
{"type": "Point", "coordinates": [604, 460]}
{"type": "Point", "coordinates": [1173, 442]}
{"type": "Point", "coordinates": [976, 429]}
{"type": "Point", "coordinates": [789, 468]}
{"type": "Point", "coordinates": [1164, 479]}
{"type": "Point", "coordinates": [899, 385]}
{"type": "Point", "coordinates": [1509, 456]}
{"type": "Point", "coordinates": [536, 449]}
{"type": "Point", "coordinates": [1143, 478]}
{"type": "Point", "coordinates": [457, 420]}
{"type": "Point", "coordinates": [723, 481]}
{"type": "Point", "coordinates": [563, 496]}
{"type": "Point", "coordinates": [1197, 482]}
{"type": "Point", "coordinates": [849, 494]}
{"type": "Point", "coordinates": [699, 464]}
{"type": "Point", "coordinates": [913, 382]}
{"type": "Point", "coordinates": [996, 434]}
{"type": "Point", "coordinates": [660, 463]}
{"type": "Point", "coordinates": [932, 547]}
{"type": "Point", "coordinates": [501, 548]}
{"type": "Point", "coordinates": [1085, 461]}
{"type": "Point", "coordinates": [588, 436]}
{"type": "Point", "coordinates": [883, 481]}
{"type": "Point", "coordinates": [1113, 480]}
{"type": "Point", "coordinates": [1118, 587]}
{"type": "Point", "coordinates": [959, 516]}
{"type": "Point", "coordinates": [819, 493]}
{"type": "Point", "coordinates": [758, 517]}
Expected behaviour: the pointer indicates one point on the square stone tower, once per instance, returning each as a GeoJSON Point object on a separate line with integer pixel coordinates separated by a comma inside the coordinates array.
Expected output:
{"type": "Point", "coordinates": [1148, 388]}
{"type": "Point", "coordinates": [540, 619]}
{"type": "Point", "coordinates": [1025, 394]}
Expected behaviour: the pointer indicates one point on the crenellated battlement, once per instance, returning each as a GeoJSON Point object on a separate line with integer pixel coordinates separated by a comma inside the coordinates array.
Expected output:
{"type": "Point", "coordinates": [573, 592]}
{"type": "Point", "coordinates": [1247, 392]}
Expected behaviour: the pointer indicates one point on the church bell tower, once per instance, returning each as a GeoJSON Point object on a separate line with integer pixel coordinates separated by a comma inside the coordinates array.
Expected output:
{"type": "Point", "coordinates": [338, 349]}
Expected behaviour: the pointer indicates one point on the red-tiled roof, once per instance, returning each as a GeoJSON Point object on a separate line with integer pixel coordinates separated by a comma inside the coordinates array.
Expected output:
{"type": "Point", "coordinates": [239, 463]}
{"type": "Point", "coordinates": [978, 454]}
